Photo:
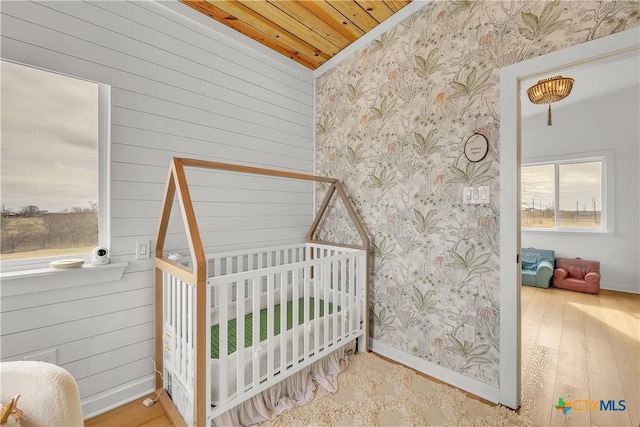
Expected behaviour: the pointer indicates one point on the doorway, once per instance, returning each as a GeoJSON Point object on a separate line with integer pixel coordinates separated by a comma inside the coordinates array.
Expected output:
{"type": "Point", "coordinates": [511, 82]}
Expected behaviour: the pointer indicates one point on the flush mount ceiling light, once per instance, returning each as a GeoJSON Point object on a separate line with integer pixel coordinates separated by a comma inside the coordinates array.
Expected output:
{"type": "Point", "coordinates": [550, 90]}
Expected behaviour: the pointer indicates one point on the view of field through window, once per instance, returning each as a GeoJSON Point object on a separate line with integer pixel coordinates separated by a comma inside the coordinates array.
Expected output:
{"type": "Point", "coordinates": [49, 175]}
{"type": "Point", "coordinates": [579, 195]}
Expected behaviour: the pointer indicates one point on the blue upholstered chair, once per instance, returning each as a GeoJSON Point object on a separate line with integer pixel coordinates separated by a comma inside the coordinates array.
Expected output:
{"type": "Point", "coordinates": [537, 267]}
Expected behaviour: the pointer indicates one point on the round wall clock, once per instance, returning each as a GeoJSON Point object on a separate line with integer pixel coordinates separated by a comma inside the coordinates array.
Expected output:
{"type": "Point", "coordinates": [476, 147]}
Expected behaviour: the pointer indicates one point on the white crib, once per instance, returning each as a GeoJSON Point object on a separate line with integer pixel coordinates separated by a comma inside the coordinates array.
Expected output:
{"type": "Point", "coordinates": [231, 325]}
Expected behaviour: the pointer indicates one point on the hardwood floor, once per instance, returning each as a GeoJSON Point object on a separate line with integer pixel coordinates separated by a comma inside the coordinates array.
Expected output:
{"type": "Point", "coordinates": [579, 347]}
{"type": "Point", "coordinates": [575, 346]}
{"type": "Point", "coordinates": [133, 414]}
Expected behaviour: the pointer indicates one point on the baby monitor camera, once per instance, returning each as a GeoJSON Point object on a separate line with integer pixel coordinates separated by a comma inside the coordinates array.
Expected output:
{"type": "Point", "coordinates": [100, 256]}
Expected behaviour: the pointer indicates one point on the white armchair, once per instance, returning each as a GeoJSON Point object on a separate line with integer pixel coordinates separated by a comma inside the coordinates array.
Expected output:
{"type": "Point", "coordinates": [49, 395]}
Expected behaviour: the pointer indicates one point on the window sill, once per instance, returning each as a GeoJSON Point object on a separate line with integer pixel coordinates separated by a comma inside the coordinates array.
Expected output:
{"type": "Point", "coordinates": [46, 279]}
{"type": "Point", "coordinates": [577, 232]}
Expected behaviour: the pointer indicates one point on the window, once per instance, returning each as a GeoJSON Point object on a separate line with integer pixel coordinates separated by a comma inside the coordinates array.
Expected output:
{"type": "Point", "coordinates": [565, 195]}
{"type": "Point", "coordinates": [54, 148]}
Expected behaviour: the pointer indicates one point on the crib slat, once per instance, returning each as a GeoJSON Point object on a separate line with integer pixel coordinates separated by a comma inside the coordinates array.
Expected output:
{"type": "Point", "coordinates": [216, 272]}
{"type": "Point", "coordinates": [229, 270]}
{"type": "Point", "coordinates": [204, 347]}
{"type": "Point", "coordinates": [255, 339]}
{"type": "Point", "coordinates": [307, 289]}
{"type": "Point", "coordinates": [190, 320]}
{"type": "Point", "coordinates": [346, 297]}
{"type": "Point", "coordinates": [168, 285]}
{"type": "Point", "coordinates": [283, 321]}
{"type": "Point", "coordinates": [240, 299]}
{"type": "Point", "coordinates": [169, 318]}
{"type": "Point", "coordinates": [350, 295]}
{"type": "Point", "coordinates": [327, 286]}
{"type": "Point", "coordinates": [176, 307]}
{"type": "Point", "coordinates": [179, 348]}
{"type": "Point", "coordinates": [242, 267]}
{"type": "Point", "coordinates": [316, 307]}
{"type": "Point", "coordinates": [286, 260]}
{"type": "Point", "coordinates": [166, 298]}
{"type": "Point", "coordinates": [249, 291]}
{"type": "Point", "coordinates": [270, 340]}
{"type": "Point", "coordinates": [172, 290]}
{"type": "Point", "coordinates": [334, 298]}
{"type": "Point", "coordinates": [183, 329]}
{"type": "Point", "coordinates": [360, 276]}
{"type": "Point", "coordinates": [223, 337]}
{"type": "Point", "coordinates": [296, 312]}
{"type": "Point", "coordinates": [346, 305]}
{"type": "Point", "coordinates": [262, 262]}
{"type": "Point", "coordinates": [189, 309]}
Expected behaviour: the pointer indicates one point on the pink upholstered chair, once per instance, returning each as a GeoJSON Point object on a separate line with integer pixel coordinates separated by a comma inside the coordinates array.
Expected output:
{"type": "Point", "coordinates": [577, 275]}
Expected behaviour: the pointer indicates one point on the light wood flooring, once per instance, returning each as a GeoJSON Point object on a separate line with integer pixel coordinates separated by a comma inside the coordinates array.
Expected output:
{"type": "Point", "coordinates": [133, 414]}
{"type": "Point", "coordinates": [575, 346]}
{"type": "Point", "coordinates": [580, 347]}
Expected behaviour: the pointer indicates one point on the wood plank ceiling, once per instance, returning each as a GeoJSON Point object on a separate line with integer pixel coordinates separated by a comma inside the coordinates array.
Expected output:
{"type": "Point", "coordinates": [307, 31]}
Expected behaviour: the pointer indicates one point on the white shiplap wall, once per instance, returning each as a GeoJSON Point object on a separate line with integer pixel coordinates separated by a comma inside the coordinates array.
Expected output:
{"type": "Point", "coordinates": [178, 88]}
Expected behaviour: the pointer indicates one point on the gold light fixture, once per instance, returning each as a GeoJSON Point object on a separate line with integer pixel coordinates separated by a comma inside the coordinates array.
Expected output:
{"type": "Point", "coordinates": [550, 90]}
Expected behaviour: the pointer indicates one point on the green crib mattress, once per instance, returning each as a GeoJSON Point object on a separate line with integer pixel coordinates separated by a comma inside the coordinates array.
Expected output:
{"type": "Point", "coordinates": [248, 325]}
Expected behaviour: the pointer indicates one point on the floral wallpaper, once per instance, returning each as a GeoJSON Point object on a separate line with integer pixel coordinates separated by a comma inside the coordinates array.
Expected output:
{"type": "Point", "coordinates": [392, 121]}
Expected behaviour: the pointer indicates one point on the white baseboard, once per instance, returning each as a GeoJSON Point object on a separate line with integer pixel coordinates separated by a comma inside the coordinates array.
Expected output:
{"type": "Point", "coordinates": [118, 396]}
{"type": "Point", "coordinates": [455, 379]}
{"type": "Point", "coordinates": [620, 288]}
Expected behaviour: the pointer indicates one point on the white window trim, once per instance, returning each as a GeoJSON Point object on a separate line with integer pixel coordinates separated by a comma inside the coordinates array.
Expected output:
{"type": "Point", "coordinates": [104, 165]}
{"type": "Point", "coordinates": [608, 190]}
{"type": "Point", "coordinates": [28, 267]}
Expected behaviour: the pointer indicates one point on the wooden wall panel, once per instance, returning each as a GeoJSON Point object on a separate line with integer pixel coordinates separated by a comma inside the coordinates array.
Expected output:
{"type": "Point", "coordinates": [225, 150]}
{"type": "Point", "coordinates": [195, 107]}
{"type": "Point", "coordinates": [229, 56]}
{"type": "Point", "coordinates": [112, 378]}
{"type": "Point", "coordinates": [231, 223]}
{"type": "Point", "coordinates": [101, 364]}
{"type": "Point", "coordinates": [181, 89]}
{"type": "Point", "coordinates": [53, 335]}
{"type": "Point", "coordinates": [134, 209]}
{"type": "Point", "coordinates": [132, 46]}
{"type": "Point", "coordinates": [64, 312]}
{"type": "Point", "coordinates": [204, 132]}
{"type": "Point", "coordinates": [130, 281]}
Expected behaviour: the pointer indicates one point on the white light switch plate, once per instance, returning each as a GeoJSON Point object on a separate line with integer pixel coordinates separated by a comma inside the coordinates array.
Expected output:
{"type": "Point", "coordinates": [476, 195]}
{"type": "Point", "coordinates": [143, 249]}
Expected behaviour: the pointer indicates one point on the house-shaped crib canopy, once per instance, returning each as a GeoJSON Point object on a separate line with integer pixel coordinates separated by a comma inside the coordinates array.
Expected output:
{"type": "Point", "coordinates": [177, 185]}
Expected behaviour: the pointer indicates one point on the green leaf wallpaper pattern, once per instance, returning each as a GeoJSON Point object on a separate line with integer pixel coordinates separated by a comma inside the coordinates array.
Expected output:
{"type": "Point", "coordinates": [391, 124]}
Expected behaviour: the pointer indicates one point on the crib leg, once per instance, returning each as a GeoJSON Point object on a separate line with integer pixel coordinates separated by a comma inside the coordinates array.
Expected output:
{"type": "Point", "coordinates": [361, 345]}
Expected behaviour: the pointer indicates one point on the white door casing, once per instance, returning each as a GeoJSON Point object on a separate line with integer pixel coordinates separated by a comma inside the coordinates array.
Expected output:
{"type": "Point", "coordinates": [510, 160]}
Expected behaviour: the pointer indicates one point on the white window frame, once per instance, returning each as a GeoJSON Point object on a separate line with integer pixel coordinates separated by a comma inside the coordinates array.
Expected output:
{"type": "Point", "coordinates": [606, 157]}
{"type": "Point", "coordinates": [28, 265]}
